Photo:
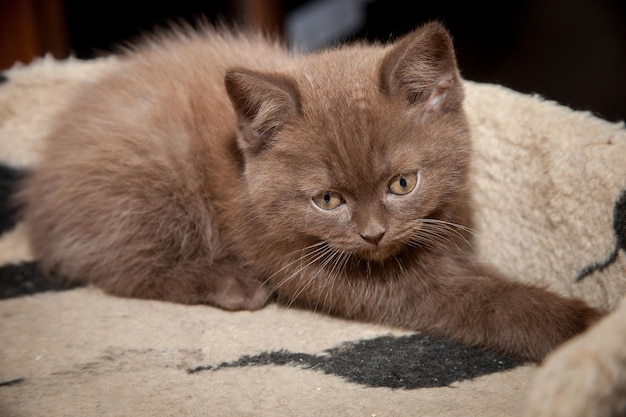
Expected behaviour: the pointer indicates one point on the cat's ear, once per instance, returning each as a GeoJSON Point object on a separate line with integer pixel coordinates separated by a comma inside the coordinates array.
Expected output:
{"type": "Point", "coordinates": [422, 69]}
{"type": "Point", "coordinates": [263, 103]}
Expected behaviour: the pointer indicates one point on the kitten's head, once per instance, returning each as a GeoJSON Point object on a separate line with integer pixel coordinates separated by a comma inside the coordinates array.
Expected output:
{"type": "Point", "coordinates": [360, 148]}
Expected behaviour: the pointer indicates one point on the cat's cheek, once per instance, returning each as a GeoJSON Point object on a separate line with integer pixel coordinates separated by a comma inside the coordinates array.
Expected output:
{"type": "Point", "coordinates": [407, 207]}
{"type": "Point", "coordinates": [343, 215]}
{"type": "Point", "coordinates": [338, 218]}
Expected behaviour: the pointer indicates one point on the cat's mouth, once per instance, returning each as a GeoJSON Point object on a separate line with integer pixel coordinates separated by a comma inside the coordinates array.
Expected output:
{"type": "Point", "coordinates": [378, 253]}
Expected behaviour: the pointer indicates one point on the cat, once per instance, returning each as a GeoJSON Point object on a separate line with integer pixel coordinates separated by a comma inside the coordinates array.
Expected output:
{"type": "Point", "coordinates": [215, 166]}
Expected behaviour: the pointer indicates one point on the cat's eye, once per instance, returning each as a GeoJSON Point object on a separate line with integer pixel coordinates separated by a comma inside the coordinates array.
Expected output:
{"type": "Point", "coordinates": [403, 183]}
{"type": "Point", "coordinates": [328, 200]}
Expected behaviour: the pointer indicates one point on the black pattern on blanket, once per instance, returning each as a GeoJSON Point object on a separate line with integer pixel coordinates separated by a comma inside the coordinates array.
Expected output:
{"type": "Point", "coordinates": [409, 362]}
{"type": "Point", "coordinates": [619, 228]}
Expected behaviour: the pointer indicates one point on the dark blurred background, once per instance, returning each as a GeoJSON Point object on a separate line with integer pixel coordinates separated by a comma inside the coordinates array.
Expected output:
{"type": "Point", "coordinates": [571, 51]}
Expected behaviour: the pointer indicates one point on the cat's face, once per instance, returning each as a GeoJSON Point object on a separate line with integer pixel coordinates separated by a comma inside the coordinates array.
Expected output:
{"type": "Point", "coordinates": [365, 190]}
{"type": "Point", "coordinates": [348, 163]}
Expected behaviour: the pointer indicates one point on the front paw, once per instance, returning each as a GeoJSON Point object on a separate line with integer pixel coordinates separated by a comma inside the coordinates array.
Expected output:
{"type": "Point", "coordinates": [565, 319]}
{"type": "Point", "coordinates": [243, 294]}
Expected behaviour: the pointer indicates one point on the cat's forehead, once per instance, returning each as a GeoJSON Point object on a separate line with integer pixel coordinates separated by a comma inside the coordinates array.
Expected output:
{"type": "Point", "coordinates": [353, 147]}
{"type": "Point", "coordinates": [349, 126]}
{"type": "Point", "coordinates": [347, 90]}
{"type": "Point", "coordinates": [345, 75]}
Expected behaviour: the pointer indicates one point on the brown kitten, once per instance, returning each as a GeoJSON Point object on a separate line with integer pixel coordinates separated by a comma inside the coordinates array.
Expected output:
{"type": "Point", "coordinates": [215, 168]}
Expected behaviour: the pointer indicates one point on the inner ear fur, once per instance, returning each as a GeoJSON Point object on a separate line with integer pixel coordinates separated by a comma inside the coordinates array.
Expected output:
{"type": "Point", "coordinates": [263, 102]}
{"type": "Point", "coordinates": [421, 68]}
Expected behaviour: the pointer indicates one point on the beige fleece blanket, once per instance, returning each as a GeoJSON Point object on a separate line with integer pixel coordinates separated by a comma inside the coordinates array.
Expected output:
{"type": "Point", "coordinates": [550, 188]}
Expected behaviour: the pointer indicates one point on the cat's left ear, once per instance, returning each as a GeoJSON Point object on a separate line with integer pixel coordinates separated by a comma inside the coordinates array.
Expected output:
{"type": "Point", "coordinates": [421, 68]}
{"type": "Point", "coordinates": [263, 103]}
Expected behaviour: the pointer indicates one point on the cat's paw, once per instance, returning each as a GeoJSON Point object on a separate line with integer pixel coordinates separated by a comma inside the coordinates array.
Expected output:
{"type": "Point", "coordinates": [581, 317]}
{"type": "Point", "coordinates": [532, 321]}
{"type": "Point", "coordinates": [569, 318]}
{"type": "Point", "coordinates": [242, 294]}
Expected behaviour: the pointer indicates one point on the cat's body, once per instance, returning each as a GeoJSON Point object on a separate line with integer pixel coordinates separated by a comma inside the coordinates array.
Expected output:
{"type": "Point", "coordinates": [216, 168]}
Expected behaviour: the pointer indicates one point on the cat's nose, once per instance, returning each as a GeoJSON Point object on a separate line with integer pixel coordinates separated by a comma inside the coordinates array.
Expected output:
{"type": "Point", "coordinates": [373, 237]}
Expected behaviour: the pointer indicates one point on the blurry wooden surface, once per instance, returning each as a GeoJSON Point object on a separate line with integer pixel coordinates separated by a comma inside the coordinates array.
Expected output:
{"type": "Point", "coordinates": [267, 15]}
{"type": "Point", "coordinates": [31, 28]}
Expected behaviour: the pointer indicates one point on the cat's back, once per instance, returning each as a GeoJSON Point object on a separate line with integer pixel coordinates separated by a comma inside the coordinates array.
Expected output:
{"type": "Point", "coordinates": [161, 108]}
{"type": "Point", "coordinates": [158, 117]}
{"type": "Point", "coordinates": [186, 57]}
{"type": "Point", "coordinates": [209, 48]}
{"type": "Point", "coordinates": [169, 84]}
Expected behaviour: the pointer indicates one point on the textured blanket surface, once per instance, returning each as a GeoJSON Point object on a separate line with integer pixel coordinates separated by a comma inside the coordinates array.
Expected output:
{"type": "Point", "coordinates": [549, 186]}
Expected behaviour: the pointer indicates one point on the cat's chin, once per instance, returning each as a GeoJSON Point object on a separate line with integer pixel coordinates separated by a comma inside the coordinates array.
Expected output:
{"type": "Point", "coordinates": [376, 254]}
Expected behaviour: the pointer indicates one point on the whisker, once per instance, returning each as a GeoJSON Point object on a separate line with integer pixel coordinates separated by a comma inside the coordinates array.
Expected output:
{"type": "Point", "coordinates": [329, 278]}
{"type": "Point", "coordinates": [435, 233]}
{"type": "Point", "coordinates": [451, 224]}
{"type": "Point", "coordinates": [310, 258]}
{"type": "Point", "coordinates": [395, 257]}
{"type": "Point", "coordinates": [453, 227]}
{"type": "Point", "coordinates": [421, 243]}
{"type": "Point", "coordinates": [338, 268]}
{"type": "Point", "coordinates": [309, 280]}
{"type": "Point", "coordinates": [318, 248]}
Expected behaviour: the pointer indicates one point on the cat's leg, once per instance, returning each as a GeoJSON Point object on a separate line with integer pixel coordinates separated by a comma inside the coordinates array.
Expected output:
{"type": "Point", "coordinates": [139, 239]}
{"type": "Point", "coordinates": [481, 307]}
{"type": "Point", "coordinates": [469, 304]}
{"type": "Point", "coordinates": [222, 283]}
{"type": "Point", "coordinates": [188, 262]}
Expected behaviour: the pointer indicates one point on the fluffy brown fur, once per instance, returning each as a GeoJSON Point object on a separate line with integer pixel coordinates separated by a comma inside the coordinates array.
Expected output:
{"type": "Point", "coordinates": [213, 167]}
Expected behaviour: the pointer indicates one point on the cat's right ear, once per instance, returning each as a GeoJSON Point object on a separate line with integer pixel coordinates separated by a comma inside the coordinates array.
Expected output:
{"type": "Point", "coordinates": [421, 68]}
{"type": "Point", "coordinates": [263, 103]}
